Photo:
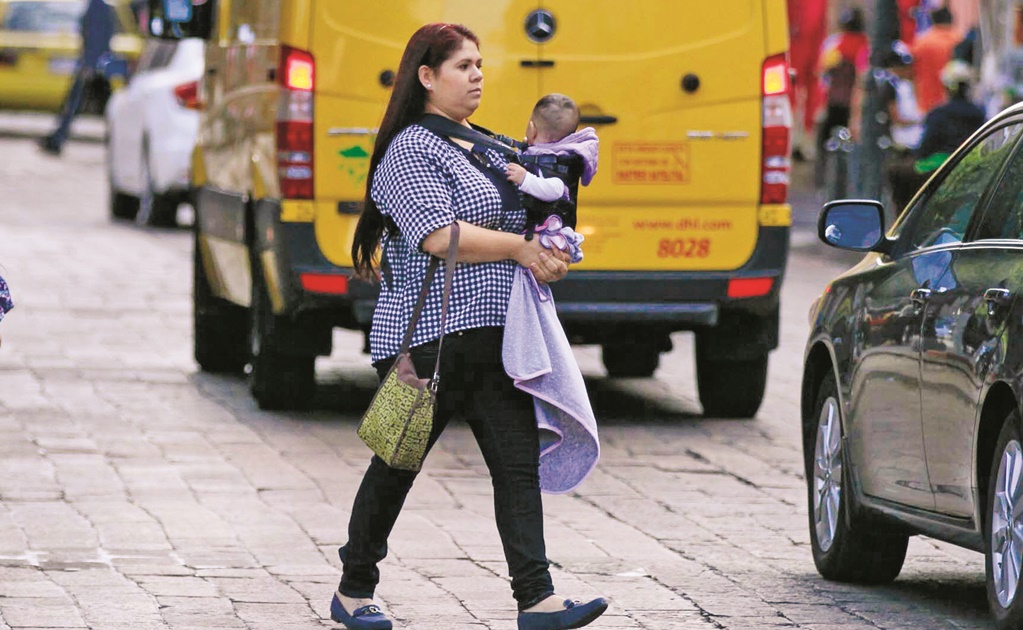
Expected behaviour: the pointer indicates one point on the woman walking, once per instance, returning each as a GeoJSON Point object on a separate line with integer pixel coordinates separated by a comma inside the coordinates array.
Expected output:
{"type": "Point", "coordinates": [419, 184]}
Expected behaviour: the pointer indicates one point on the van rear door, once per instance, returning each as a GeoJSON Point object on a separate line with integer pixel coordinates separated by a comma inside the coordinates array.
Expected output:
{"type": "Point", "coordinates": [356, 46]}
{"type": "Point", "coordinates": [674, 91]}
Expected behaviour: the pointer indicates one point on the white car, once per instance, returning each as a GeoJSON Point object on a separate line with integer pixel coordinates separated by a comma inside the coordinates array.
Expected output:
{"type": "Point", "coordinates": [151, 129]}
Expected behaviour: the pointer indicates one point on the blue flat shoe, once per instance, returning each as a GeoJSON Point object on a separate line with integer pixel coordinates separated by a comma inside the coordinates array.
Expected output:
{"type": "Point", "coordinates": [575, 615]}
{"type": "Point", "coordinates": [365, 618]}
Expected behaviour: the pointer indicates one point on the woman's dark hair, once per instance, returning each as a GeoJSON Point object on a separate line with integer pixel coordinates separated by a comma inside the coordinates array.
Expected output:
{"type": "Point", "coordinates": [431, 46]}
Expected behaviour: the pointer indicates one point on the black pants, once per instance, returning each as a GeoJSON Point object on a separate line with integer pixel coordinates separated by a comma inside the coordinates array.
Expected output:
{"type": "Point", "coordinates": [473, 383]}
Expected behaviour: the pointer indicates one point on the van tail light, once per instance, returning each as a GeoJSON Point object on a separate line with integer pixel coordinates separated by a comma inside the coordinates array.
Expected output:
{"type": "Point", "coordinates": [776, 162]}
{"type": "Point", "coordinates": [332, 283]}
{"type": "Point", "coordinates": [295, 75]}
{"type": "Point", "coordinates": [8, 57]}
{"type": "Point", "coordinates": [188, 95]}
{"type": "Point", "coordinates": [749, 287]}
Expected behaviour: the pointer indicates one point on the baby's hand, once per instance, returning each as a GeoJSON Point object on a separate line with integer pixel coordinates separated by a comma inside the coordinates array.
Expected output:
{"type": "Point", "coordinates": [515, 173]}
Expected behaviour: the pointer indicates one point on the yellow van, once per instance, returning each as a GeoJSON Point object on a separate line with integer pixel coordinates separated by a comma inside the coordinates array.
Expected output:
{"type": "Point", "coordinates": [686, 223]}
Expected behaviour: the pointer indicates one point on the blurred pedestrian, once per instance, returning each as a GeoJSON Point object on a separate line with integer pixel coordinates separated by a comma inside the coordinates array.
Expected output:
{"type": "Point", "coordinates": [948, 126]}
{"type": "Point", "coordinates": [931, 51]}
{"type": "Point", "coordinates": [945, 128]}
{"type": "Point", "coordinates": [843, 60]}
{"type": "Point", "coordinates": [419, 184]}
{"type": "Point", "coordinates": [6, 303]}
{"type": "Point", "coordinates": [902, 117]}
{"type": "Point", "coordinates": [97, 28]}
{"type": "Point", "coordinates": [841, 64]}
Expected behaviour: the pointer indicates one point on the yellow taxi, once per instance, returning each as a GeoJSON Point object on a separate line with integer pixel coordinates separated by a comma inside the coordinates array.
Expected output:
{"type": "Point", "coordinates": [39, 46]}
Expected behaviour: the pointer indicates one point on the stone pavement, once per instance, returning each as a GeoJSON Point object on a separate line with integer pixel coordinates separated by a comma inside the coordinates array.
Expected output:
{"type": "Point", "coordinates": [136, 493]}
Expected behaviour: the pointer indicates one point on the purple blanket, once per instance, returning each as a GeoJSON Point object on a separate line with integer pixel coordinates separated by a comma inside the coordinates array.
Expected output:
{"type": "Point", "coordinates": [538, 357]}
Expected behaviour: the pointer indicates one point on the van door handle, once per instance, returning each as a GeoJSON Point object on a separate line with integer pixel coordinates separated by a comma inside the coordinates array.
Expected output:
{"type": "Point", "coordinates": [598, 120]}
{"type": "Point", "coordinates": [537, 63]}
{"type": "Point", "coordinates": [920, 296]}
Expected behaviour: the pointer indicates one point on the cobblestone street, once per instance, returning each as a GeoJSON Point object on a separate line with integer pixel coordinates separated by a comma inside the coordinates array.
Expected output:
{"type": "Point", "coordinates": [137, 493]}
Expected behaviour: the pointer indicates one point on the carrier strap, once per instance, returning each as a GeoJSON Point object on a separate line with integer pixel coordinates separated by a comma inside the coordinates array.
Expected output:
{"type": "Point", "coordinates": [477, 135]}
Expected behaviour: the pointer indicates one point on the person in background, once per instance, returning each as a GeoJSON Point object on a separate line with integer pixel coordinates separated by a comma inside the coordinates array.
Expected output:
{"type": "Point", "coordinates": [97, 29]}
{"type": "Point", "coordinates": [945, 128]}
{"type": "Point", "coordinates": [842, 61]}
{"type": "Point", "coordinates": [949, 125]}
{"type": "Point", "coordinates": [931, 51]}
{"type": "Point", "coordinates": [6, 303]}
{"type": "Point", "coordinates": [904, 119]}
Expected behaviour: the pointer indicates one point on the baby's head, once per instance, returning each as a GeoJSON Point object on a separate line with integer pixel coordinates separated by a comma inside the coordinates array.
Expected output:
{"type": "Point", "coordinates": [554, 117]}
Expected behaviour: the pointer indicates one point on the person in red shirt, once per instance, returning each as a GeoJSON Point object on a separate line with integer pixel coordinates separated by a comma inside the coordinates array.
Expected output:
{"type": "Point", "coordinates": [931, 51]}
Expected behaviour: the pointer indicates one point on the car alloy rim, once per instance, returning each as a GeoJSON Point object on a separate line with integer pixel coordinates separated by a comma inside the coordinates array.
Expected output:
{"type": "Point", "coordinates": [1007, 524]}
{"type": "Point", "coordinates": [827, 474]}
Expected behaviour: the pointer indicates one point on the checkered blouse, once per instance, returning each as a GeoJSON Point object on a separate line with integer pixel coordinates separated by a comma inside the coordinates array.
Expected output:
{"type": "Point", "coordinates": [424, 183]}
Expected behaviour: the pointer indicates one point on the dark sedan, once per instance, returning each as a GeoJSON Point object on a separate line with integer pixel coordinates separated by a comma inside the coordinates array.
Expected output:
{"type": "Point", "coordinates": [913, 377]}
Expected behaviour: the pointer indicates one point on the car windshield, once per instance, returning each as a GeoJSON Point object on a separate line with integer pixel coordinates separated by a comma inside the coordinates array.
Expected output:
{"type": "Point", "coordinates": [43, 17]}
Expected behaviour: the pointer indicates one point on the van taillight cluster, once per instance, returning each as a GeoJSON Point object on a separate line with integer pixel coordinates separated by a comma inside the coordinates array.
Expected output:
{"type": "Point", "coordinates": [776, 163]}
{"type": "Point", "coordinates": [296, 75]}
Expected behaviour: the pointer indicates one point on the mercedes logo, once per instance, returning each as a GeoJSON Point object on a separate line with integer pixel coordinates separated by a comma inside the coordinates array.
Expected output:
{"type": "Point", "coordinates": [540, 26]}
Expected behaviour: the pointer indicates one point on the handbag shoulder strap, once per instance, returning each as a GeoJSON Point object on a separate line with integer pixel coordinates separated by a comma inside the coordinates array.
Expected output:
{"type": "Point", "coordinates": [431, 271]}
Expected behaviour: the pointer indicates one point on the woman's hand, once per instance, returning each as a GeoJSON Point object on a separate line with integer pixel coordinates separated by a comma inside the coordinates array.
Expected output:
{"type": "Point", "coordinates": [547, 265]}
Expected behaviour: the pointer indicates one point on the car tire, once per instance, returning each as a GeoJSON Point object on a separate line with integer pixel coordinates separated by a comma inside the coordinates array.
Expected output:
{"type": "Point", "coordinates": [730, 388]}
{"type": "Point", "coordinates": [630, 361]}
{"type": "Point", "coordinates": [122, 206]}
{"type": "Point", "coordinates": [156, 209]}
{"type": "Point", "coordinates": [842, 551]}
{"type": "Point", "coordinates": [278, 380]}
{"type": "Point", "coordinates": [220, 328]}
{"type": "Point", "coordinates": [1003, 534]}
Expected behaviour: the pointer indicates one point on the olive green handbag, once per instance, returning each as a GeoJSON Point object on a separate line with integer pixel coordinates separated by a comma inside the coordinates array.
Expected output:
{"type": "Point", "coordinates": [399, 420]}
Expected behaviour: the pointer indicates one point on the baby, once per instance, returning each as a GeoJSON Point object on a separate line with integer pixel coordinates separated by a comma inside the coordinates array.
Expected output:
{"type": "Point", "coordinates": [550, 181]}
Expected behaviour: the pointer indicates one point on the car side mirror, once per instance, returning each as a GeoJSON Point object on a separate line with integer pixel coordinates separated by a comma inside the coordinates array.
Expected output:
{"type": "Point", "coordinates": [178, 19]}
{"type": "Point", "coordinates": [853, 224]}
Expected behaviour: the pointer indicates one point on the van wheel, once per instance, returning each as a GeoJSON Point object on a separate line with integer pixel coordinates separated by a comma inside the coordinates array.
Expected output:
{"type": "Point", "coordinates": [841, 551]}
{"type": "Point", "coordinates": [1003, 527]}
{"type": "Point", "coordinates": [220, 328]}
{"type": "Point", "coordinates": [630, 361]}
{"type": "Point", "coordinates": [279, 381]}
{"type": "Point", "coordinates": [730, 388]}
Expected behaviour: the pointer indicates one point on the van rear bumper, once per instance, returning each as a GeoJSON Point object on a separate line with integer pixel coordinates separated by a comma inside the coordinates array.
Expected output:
{"type": "Point", "coordinates": [605, 306]}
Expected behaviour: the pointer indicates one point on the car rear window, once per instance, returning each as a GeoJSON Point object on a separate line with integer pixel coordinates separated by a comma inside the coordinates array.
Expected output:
{"type": "Point", "coordinates": [43, 17]}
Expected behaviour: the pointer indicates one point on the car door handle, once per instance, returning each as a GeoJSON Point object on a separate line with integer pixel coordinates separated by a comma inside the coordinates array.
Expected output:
{"type": "Point", "coordinates": [997, 296]}
{"type": "Point", "coordinates": [920, 296]}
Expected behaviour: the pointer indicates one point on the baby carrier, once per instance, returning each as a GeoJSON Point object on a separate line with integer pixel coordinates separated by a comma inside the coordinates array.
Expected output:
{"type": "Point", "coordinates": [567, 168]}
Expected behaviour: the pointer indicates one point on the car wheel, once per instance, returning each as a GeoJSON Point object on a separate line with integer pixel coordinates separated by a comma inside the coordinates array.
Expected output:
{"type": "Point", "coordinates": [156, 209]}
{"type": "Point", "coordinates": [1004, 527]}
{"type": "Point", "coordinates": [841, 550]}
{"type": "Point", "coordinates": [122, 206]}
{"type": "Point", "coordinates": [730, 388]}
{"type": "Point", "coordinates": [278, 380]}
{"type": "Point", "coordinates": [220, 328]}
{"type": "Point", "coordinates": [630, 361]}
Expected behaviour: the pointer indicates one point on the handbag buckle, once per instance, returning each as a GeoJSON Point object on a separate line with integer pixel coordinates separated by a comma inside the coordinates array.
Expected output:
{"type": "Point", "coordinates": [433, 384]}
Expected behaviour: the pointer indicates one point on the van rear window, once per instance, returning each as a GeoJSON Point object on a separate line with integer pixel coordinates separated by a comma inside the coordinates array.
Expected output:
{"type": "Point", "coordinates": [43, 17]}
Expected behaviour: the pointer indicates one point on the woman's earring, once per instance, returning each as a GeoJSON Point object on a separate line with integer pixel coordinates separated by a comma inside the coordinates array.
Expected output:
{"type": "Point", "coordinates": [429, 86]}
